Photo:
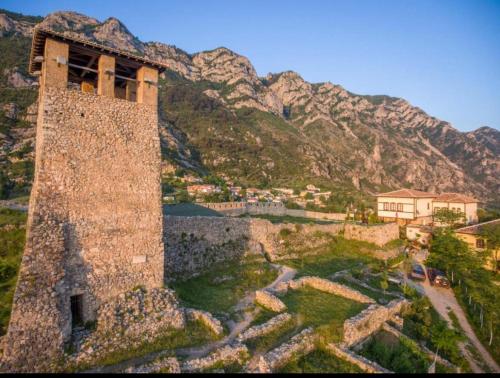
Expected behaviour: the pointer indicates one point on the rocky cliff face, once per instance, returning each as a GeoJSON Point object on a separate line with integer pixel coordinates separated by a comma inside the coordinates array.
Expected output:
{"type": "Point", "coordinates": [370, 143]}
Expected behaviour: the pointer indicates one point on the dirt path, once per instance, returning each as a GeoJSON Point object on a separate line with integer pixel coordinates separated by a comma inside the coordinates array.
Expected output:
{"type": "Point", "coordinates": [443, 301]}
{"type": "Point", "coordinates": [286, 274]}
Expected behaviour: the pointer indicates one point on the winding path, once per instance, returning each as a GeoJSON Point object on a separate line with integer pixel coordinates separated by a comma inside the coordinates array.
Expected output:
{"type": "Point", "coordinates": [286, 274]}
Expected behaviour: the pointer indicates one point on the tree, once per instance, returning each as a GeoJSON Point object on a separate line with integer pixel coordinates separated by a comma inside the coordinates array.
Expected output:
{"type": "Point", "coordinates": [491, 232]}
{"type": "Point", "coordinates": [182, 196]}
{"type": "Point", "coordinates": [309, 196]}
{"type": "Point", "coordinates": [384, 284]}
{"type": "Point", "coordinates": [449, 217]}
{"type": "Point", "coordinates": [451, 254]}
{"type": "Point", "coordinates": [445, 338]}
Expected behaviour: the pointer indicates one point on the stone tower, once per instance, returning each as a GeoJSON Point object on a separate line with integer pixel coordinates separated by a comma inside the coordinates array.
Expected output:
{"type": "Point", "coordinates": [95, 219]}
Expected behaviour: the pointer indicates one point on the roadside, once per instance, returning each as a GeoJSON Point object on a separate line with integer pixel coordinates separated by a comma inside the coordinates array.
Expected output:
{"type": "Point", "coordinates": [443, 300]}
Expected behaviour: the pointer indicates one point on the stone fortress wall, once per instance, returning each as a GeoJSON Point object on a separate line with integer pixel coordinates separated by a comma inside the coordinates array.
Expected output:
{"type": "Point", "coordinates": [194, 244]}
{"type": "Point", "coordinates": [94, 221]}
{"type": "Point", "coordinates": [235, 209]}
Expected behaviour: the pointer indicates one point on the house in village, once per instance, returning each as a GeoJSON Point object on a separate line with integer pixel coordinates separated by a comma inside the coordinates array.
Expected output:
{"type": "Point", "coordinates": [202, 189]}
{"type": "Point", "coordinates": [473, 236]}
{"type": "Point", "coordinates": [459, 203]}
{"type": "Point", "coordinates": [409, 206]}
{"type": "Point", "coordinates": [405, 206]}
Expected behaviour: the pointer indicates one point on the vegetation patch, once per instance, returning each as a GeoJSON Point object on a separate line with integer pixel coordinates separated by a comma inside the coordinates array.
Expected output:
{"type": "Point", "coordinates": [195, 334]}
{"type": "Point", "coordinates": [274, 338]}
{"type": "Point", "coordinates": [340, 254]}
{"type": "Point", "coordinates": [398, 355]}
{"type": "Point", "coordinates": [319, 361]}
{"type": "Point", "coordinates": [207, 293]}
{"type": "Point", "coordinates": [326, 312]}
{"type": "Point", "coordinates": [12, 238]}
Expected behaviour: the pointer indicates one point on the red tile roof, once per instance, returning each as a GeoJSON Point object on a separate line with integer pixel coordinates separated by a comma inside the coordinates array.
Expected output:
{"type": "Point", "coordinates": [454, 197]}
{"type": "Point", "coordinates": [407, 193]}
{"type": "Point", "coordinates": [476, 229]}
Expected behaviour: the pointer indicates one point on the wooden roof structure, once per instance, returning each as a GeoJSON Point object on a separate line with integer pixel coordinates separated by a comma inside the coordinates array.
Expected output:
{"type": "Point", "coordinates": [94, 49]}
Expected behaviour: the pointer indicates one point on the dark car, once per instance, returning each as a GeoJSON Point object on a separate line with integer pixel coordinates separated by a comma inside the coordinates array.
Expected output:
{"type": "Point", "coordinates": [417, 272]}
{"type": "Point", "coordinates": [437, 277]}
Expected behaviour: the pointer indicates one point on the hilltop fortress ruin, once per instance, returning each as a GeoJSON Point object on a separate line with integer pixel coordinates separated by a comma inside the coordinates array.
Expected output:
{"type": "Point", "coordinates": [95, 217]}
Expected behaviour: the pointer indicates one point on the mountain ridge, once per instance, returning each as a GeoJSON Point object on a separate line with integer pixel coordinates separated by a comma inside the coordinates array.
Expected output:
{"type": "Point", "coordinates": [371, 142]}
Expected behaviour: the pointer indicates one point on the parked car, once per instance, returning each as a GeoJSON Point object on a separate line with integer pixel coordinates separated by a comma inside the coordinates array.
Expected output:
{"type": "Point", "coordinates": [417, 272]}
{"type": "Point", "coordinates": [437, 277]}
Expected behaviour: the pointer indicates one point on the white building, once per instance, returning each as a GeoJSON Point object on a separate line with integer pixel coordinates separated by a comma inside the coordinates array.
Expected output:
{"type": "Point", "coordinates": [405, 206]}
{"type": "Point", "coordinates": [459, 203]}
{"type": "Point", "coordinates": [408, 206]}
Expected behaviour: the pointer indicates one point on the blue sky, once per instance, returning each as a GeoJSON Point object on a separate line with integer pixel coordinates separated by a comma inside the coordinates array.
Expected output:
{"type": "Point", "coordinates": [441, 55]}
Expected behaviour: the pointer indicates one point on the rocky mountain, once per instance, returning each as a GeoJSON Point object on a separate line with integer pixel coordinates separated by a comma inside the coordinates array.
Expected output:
{"type": "Point", "coordinates": [219, 116]}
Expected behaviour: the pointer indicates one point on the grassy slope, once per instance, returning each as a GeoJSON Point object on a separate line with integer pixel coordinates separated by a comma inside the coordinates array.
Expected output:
{"type": "Point", "coordinates": [340, 254]}
{"type": "Point", "coordinates": [325, 311]}
{"type": "Point", "coordinates": [12, 236]}
{"type": "Point", "coordinates": [319, 361]}
{"type": "Point", "coordinates": [205, 293]}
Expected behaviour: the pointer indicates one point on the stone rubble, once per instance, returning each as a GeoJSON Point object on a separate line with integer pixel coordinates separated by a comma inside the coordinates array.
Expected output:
{"type": "Point", "coordinates": [237, 353]}
{"type": "Point", "coordinates": [206, 318]}
{"type": "Point", "coordinates": [300, 344]}
{"type": "Point", "coordinates": [265, 328]}
{"type": "Point", "coordinates": [167, 364]}
{"type": "Point", "coordinates": [324, 285]}
{"type": "Point", "coordinates": [269, 301]}
{"type": "Point", "coordinates": [129, 320]}
{"type": "Point", "coordinates": [370, 320]}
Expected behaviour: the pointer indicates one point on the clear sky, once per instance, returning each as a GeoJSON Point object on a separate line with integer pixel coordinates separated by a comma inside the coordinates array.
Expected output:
{"type": "Point", "coordinates": [441, 55]}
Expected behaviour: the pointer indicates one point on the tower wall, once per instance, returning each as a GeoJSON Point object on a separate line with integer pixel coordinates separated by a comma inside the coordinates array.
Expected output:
{"type": "Point", "coordinates": [94, 222]}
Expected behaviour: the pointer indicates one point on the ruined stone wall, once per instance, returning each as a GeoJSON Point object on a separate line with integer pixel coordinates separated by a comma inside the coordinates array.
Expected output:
{"type": "Point", "coordinates": [379, 234]}
{"type": "Point", "coordinates": [194, 244]}
{"type": "Point", "coordinates": [94, 220]}
{"type": "Point", "coordinates": [370, 320]}
{"type": "Point", "coordinates": [268, 208]}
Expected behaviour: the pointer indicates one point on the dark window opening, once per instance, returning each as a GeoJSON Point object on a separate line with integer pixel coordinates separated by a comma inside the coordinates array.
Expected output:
{"type": "Point", "coordinates": [76, 311]}
{"type": "Point", "coordinates": [125, 82]}
{"type": "Point", "coordinates": [82, 70]}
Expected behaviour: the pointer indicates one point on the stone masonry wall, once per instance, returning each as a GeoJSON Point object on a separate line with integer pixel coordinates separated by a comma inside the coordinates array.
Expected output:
{"type": "Point", "coordinates": [194, 244]}
{"type": "Point", "coordinates": [268, 208]}
{"type": "Point", "coordinates": [94, 220]}
{"type": "Point", "coordinates": [370, 320]}
{"type": "Point", "coordinates": [379, 234]}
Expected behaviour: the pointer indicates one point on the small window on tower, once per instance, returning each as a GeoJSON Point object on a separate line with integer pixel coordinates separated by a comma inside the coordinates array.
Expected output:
{"type": "Point", "coordinates": [76, 311]}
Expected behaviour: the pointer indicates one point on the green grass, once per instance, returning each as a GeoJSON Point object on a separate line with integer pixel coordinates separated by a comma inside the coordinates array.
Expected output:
{"type": "Point", "coordinates": [203, 293]}
{"type": "Point", "coordinates": [274, 338]}
{"type": "Point", "coordinates": [340, 254]}
{"type": "Point", "coordinates": [319, 361]}
{"type": "Point", "coordinates": [195, 333]}
{"type": "Point", "coordinates": [324, 311]}
{"type": "Point", "coordinates": [400, 356]}
{"type": "Point", "coordinates": [12, 238]}
{"type": "Point", "coordinates": [371, 293]}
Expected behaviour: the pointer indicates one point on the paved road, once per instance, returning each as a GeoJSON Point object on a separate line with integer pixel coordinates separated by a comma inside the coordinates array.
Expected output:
{"type": "Point", "coordinates": [443, 301]}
